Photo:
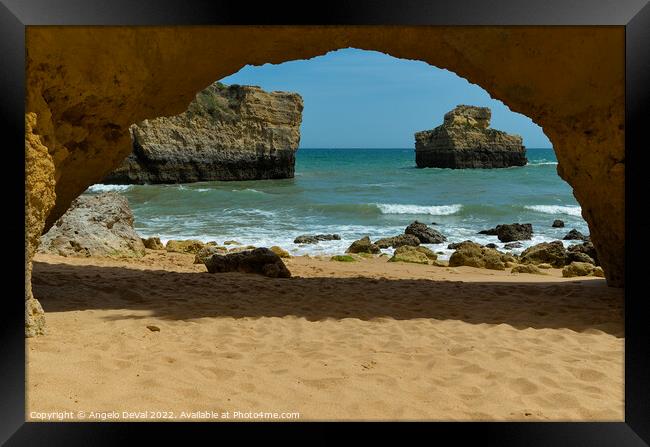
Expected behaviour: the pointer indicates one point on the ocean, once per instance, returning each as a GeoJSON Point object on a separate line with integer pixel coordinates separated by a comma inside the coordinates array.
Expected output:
{"type": "Point", "coordinates": [359, 192]}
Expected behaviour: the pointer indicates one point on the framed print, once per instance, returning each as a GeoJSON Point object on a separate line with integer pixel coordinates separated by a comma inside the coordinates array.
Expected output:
{"type": "Point", "coordinates": [368, 212]}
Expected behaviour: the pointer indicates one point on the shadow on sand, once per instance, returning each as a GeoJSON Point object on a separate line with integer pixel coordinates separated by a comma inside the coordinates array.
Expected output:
{"type": "Point", "coordinates": [578, 306]}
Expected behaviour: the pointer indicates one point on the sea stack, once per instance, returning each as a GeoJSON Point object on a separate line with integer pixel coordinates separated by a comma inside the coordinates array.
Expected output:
{"type": "Point", "coordinates": [464, 141]}
{"type": "Point", "coordinates": [228, 133]}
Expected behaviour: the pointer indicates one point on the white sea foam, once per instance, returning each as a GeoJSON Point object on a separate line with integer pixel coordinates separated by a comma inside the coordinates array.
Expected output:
{"type": "Point", "coordinates": [248, 190]}
{"type": "Point", "coordinates": [106, 188]}
{"type": "Point", "coordinates": [542, 163]}
{"type": "Point", "coordinates": [436, 210]}
{"type": "Point", "coordinates": [571, 210]}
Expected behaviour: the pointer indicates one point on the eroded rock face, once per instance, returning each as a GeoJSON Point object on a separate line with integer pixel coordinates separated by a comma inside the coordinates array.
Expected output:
{"type": "Point", "coordinates": [94, 225]}
{"type": "Point", "coordinates": [86, 86]}
{"type": "Point", "coordinates": [227, 133]}
{"type": "Point", "coordinates": [464, 141]}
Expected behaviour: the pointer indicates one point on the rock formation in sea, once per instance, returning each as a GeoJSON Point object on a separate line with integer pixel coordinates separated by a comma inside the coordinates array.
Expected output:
{"type": "Point", "coordinates": [316, 238]}
{"type": "Point", "coordinates": [465, 141]}
{"type": "Point", "coordinates": [97, 225]}
{"type": "Point", "coordinates": [227, 133]}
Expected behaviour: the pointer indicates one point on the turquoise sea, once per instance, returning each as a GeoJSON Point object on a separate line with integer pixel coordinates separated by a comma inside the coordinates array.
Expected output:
{"type": "Point", "coordinates": [358, 192]}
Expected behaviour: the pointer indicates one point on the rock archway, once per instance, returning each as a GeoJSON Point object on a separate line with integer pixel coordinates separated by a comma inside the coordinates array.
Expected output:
{"type": "Point", "coordinates": [86, 85]}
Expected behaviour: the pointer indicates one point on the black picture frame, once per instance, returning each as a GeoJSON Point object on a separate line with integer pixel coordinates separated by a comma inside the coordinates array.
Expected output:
{"type": "Point", "coordinates": [634, 15]}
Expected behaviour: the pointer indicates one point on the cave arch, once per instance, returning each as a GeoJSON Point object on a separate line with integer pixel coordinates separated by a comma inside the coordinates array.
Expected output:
{"type": "Point", "coordinates": [86, 85]}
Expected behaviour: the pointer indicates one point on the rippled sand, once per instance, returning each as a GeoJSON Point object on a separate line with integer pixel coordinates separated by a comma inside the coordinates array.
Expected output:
{"type": "Point", "coordinates": [369, 340]}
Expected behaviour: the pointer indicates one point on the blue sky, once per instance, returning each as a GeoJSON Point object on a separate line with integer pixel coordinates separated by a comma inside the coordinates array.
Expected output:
{"type": "Point", "coordinates": [366, 99]}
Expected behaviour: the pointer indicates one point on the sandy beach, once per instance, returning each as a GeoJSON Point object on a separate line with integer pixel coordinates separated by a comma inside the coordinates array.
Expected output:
{"type": "Point", "coordinates": [367, 340]}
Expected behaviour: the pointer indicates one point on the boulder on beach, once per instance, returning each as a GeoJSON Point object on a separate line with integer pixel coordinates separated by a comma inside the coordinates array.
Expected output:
{"type": "Point", "coordinates": [94, 225]}
{"type": "Point", "coordinates": [425, 234]}
{"type": "Point", "coordinates": [575, 235]}
{"type": "Point", "coordinates": [475, 255]}
{"type": "Point", "coordinates": [241, 248]}
{"type": "Point", "coordinates": [231, 242]}
{"type": "Point", "coordinates": [552, 253]}
{"type": "Point", "coordinates": [398, 241]}
{"type": "Point", "coordinates": [578, 269]}
{"type": "Point", "coordinates": [598, 271]}
{"type": "Point", "coordinates": [153, 243]}
{"type": "Point", "coordinates": [576, 256]}
{"type": "Point", "coordinates": [316, 238]}
{"type": "Point", "coordinates": [260, 260]}
{"type": "Point", "coordinates": [363, 245]}
{"type": "Point", "coordinates": [342, 258]}
{"type": "Point", "coordinates": [457, 245]}
{"type": "Point", "coordinates": [416, 255]}
{"type": "Point", "coordinates": [527, 268]}
{"type": "Point", "coordinates": [465, 141]}
{"type": "Point", "coordinates": [512, 245]}
{"type": "Point", "coordinates": [587, 248]}
{"type": "Point", "coordinates": [207, 251]}
{"type": "Point", "coordinates": [192, 246]}
{"type": "Point", "coordinates": [557, 223]}
{"type": "Point", "coordinates": [280, 251]}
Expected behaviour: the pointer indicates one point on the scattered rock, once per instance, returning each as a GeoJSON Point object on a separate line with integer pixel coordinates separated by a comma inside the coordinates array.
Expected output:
{"type": "Point", "coordinates": [280, 252]}
{"type": "Point", "coordinates": [557, 223]}
{"type": "Point", "coordinates": [425, 234]}
{"type": "Point", "coordinates": [398, 241]}
{"type": "Point", "coordinates": [510, 232]}
{"type": "Point", "coordinates": [457, 245]}
{"type": "Point", "coordinates": [514, 232]}
{"type": "Point", "coordinates": [512, 245]}
{"type": "Point", "coordinates": [241, 248]}
{"type": "Point", "coordinates": [598, 271]}
{"type": "Point", "coordinates": [184, 246]}
{"type": "Point", "coordinates": [94, 225]}
{"type": "Point", "coordinates": [153, 328]}
{"type": "Point", "coordinates": [527, 268]}
{"type": "Point", "coordinates": [342, 258]}
{"type": "Point", "coordinates": [207, 251]}
{"type": "Point", "coordinates": [260, 260]}
{"type": "Point", "coordinates": [153, 243]}
{"type": "Point", "coordinates": [316, 238]}
{"type": "Point", "coordinates": [363, 245]}
{"type": "Point", "coordinates": [464, 141]}
{"type": "Point", "coordinates": [586, 248]}
{"type": "Point", "coordinates": [474, 255]}
{"type": "Point", "coordinates": [576, 256]}
{"type": "Point", "coordinates": [544, 266]}
{"type": "Point", "coordinates": [231, 243]}
{"type": "Point", "coordinates": [547, 252]}
{"type": "Point", "coordinates": [416, 255]}
{"type": "Point", "coordinates": [577, 269]}
{"type": "Point", "coordinates": [575, 235]}
{"type": "Point", "coordinates": [491, 245]}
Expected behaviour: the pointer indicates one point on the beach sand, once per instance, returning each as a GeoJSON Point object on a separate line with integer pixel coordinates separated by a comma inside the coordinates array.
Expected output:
{"type": "Point", "coordinates": [368, 340]}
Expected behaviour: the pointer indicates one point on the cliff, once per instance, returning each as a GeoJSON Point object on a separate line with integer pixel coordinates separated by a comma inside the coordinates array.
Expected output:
{"type": "Point", "coordinates": [227, 133]}
{"type": "Point", "coordinates": [465, 141]}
